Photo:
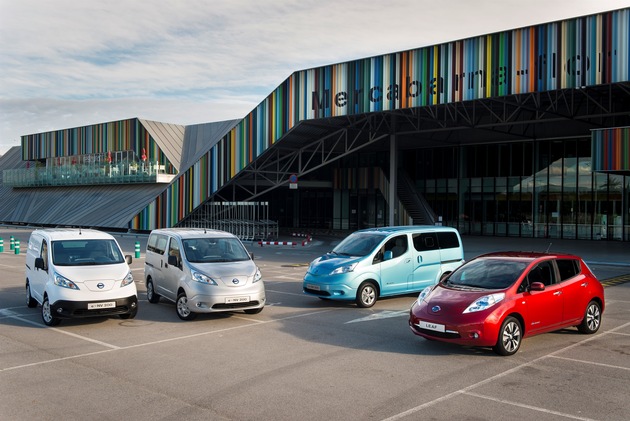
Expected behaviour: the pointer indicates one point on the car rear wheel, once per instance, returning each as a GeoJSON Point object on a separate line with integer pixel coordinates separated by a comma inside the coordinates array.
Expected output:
{"type": "Point", "coordinates": [181, 305]}
{"type": "Point", "coordinates": [47, 316]}
{"type": "Point", "coordinates": [30, 301]}
{"type": "Point", "coordinates": [366, 295]}
{"type": "Point", "coordinates": [152, 296]}
{"type": "Point", "coordinates": [592, 318]}
{"type": "Point", "coordinates": [510, 337]}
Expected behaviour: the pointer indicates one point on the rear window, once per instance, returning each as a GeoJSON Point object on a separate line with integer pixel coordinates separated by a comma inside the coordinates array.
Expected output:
{"type": "Point", "coordinates": [568, 268]}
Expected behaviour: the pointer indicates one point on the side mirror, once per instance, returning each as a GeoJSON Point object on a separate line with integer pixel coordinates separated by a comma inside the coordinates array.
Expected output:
{"type": "Point", "coordinates": [128, 259]}
{"type": "Point", "coordinates": [39, 263]}
{"type": "Point", "coordinates": [537, 286]}
{"type": "Point", "coordinates": [388, 255]}
{"type": "Point", "coordinates": [172, 260]}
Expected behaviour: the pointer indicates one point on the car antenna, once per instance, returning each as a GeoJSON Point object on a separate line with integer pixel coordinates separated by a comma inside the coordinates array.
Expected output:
{"type": "Point", "coordinates": [548, 247]}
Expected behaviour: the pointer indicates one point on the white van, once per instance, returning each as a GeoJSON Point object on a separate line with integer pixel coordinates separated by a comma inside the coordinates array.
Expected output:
{"type": "Point", "coordinates": [381, 262]}
{"type": "Point", "coordinates": [202, 271]}
{"type": "Point", "coordinates": [75, 273]}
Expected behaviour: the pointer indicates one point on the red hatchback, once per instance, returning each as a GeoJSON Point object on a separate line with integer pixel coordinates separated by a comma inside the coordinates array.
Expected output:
{"type": "Point", "coordinates": [497, 299]}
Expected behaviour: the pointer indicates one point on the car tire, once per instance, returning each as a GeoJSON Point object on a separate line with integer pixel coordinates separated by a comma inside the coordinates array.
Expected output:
{"type": "Point", "coordinates": [130, 315]}
{"type": "Point", "coordinates": [181, 306]}
{"type": "Point", "coordinates": [592, 318]}
{"type": "Point", "coordinates": [47, 317]}
{"type": "Point", "coordinates": [366, 295]}
{"type": "Point", "coordinates": [510, 337]}
{"type": "Point", "coordinates": [253, 310]}
{"type": "Point", "coordinates": [152, 296]}
{"type": "Point", "coordinates": [30, 301]}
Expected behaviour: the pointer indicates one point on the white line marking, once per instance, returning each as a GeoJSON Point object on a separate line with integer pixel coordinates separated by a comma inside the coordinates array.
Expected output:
{"type": "Point", "coordinates": [534, 408]}
{"type": "Point", "coordinates": [179, 338]}
{"type": "Point", "coordinates": [591, 363]}
{"type": "Point", "coordinates": [498, 376]}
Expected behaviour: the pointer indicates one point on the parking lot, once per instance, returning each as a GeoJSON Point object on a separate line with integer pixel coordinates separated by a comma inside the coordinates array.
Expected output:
{"type": "Point", "coordinates": [305, 358]}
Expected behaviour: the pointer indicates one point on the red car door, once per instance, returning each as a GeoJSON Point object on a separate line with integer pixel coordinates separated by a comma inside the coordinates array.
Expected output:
{"type": "Point", "coordinates": [544, 309]}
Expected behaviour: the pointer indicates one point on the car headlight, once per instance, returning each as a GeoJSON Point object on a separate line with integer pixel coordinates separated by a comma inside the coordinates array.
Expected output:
{"type": "Point", "coordinates": [485, 302]}
{"type": "Point", "coordinates": [128, 280]}
{"type": "Point", "coordinates": [200, 277]}
{"type": "Point", "coordinates": [344, 269]}
{"type": "Point", "coordinates": [424, 293]}
{"type": "Point", "coordinates": [63, 282]}
{"type": "Point", "coordinates": [257, 275]}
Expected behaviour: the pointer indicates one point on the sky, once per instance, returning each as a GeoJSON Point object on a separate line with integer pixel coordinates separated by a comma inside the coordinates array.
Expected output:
{"type": "Point", "coordinates": [71, 63]}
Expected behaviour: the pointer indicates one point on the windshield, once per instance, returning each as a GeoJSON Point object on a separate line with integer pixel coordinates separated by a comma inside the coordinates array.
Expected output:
{"type": "Point", "coordinates": [86, 252]}
{"type": "Point", "coordinates": [358, 244]}
{"type": "Point", "coordinates": [208, 250]}
{"type": "Point", "coordinates": [487, 274]}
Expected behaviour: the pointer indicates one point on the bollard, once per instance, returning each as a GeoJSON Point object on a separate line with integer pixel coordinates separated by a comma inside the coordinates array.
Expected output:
{"type": "Point", "coordinates": [12, 244]}
{"type": "Point", "coordinates": [1, 245]}
{"type": "Point", "coordinates": [137, 249]}
{"type": "Point", "coordinates": [17, 247]}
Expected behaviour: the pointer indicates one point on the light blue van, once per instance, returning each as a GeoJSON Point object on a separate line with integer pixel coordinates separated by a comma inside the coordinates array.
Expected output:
{"type": "Point", "coordinates": [381, 262]}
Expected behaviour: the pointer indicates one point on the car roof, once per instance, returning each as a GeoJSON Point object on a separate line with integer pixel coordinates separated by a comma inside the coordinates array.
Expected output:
{"type": "Point", "coordinates": [53, 234]}
{"type": "Point", "coordinates": [408, 229]}
{"type": "Point", "coordinates": [185, 233]}
{"type": "Point", "coordinates": [527, 255]}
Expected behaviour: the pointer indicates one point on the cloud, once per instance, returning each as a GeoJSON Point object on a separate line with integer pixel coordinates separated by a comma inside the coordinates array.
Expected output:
{"type": "Point", "coordinates": [67, 63]}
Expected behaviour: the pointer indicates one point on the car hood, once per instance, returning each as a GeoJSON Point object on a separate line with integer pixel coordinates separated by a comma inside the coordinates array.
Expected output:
{"type": "Point", "coordinates": [95, 277]}
{"type": "Point", "coordinates": [226, 272]}
{"type": "Point", "coordinates": [327, 263]}
{"type": "Point", "coordinates": [453, 301]}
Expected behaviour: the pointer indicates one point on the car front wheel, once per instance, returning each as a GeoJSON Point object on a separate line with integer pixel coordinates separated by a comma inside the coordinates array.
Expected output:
{"type": "Point", "coordinates": [47, 316]}
{"type": "Point", "coordinates": [181, 306]}
{"type": "Point", "coordinates": [510, 337]}
{"type": "Point", "coordinates": [366, 295]}
{"type": "Point", "coordinates": [592, 318]}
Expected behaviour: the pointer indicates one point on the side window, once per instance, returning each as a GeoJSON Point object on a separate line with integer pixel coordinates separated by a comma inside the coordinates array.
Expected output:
{"type": "Point", "coordinates": [44, 253]}
{"type": "Point", "coordinates": [157, 243]}
{"type": "Point", "coordinates": [542, 272]}
{"type": "Point", "coordinates": [568, 268]}
{"type": "Point", "coordinates": [425, 242]}
{"type": "Point", "coordinates": [448, 240]}
{"type": "Point", "coordinates": [173, 249]}
{"type": "Point", "coordinates": [397, 245]}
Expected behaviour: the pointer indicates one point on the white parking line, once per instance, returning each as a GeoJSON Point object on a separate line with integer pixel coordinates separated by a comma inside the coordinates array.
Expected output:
{"type": "Point", "coordinates": [533, 408]}
{"type": "Point", "coordinates": [467, 389]}
{"type": "Point", "coordinates": [117, 348]}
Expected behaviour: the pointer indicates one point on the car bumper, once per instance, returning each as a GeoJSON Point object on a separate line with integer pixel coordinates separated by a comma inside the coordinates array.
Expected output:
{"type": "Point", "coordinates": [338, 290]}
{"type": "Point", "coordinates": [94, 308]}
{"type": "Point", "coordinates": [251, 298]}
{"type": "Point", "coordinates": [477, 331]}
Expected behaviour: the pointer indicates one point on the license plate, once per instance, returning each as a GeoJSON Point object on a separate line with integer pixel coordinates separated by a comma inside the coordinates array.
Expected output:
{"type": "Point", "coordinates": [97, 306]}
{"type": "Point", "coordinates": [313, 287]}
{"type": "Point", "coordinates": [232, 300]}
{"type": "Point", "coordinates": [431, 326]}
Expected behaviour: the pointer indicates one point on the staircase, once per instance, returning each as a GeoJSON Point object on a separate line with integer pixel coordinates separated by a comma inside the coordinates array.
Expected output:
{"type": "Point", "coordinates": [416, 205]}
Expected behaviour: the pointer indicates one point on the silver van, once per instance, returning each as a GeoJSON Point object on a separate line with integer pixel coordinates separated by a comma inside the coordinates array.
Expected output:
{"type": "Point", "coordinates": [381, 262]}
{"type": "Point", "coordinates": [202, 271]}
{"type": "Point", "coordinates": [76, 273]}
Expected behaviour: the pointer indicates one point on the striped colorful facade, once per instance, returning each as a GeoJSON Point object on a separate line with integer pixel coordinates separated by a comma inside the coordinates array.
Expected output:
{"type": "Point", "coordinates": [610, 149]}
{"type": "Point", "coordinates": [124, 135]}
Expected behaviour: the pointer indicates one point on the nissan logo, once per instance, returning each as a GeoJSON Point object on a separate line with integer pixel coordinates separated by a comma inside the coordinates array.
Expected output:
{"type": "Point", "coordinates": [235, 281]}
{"type": "Point", "coordinates": [435, 309]}
{"type": "Point", "coordinates": [100, 285]}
